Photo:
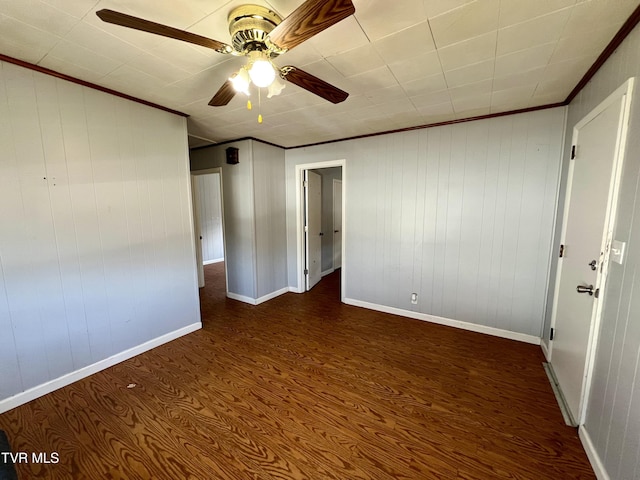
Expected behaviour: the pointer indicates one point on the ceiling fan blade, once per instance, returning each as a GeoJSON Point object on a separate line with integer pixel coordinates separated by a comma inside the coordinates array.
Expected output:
{"type": "Point", "coordinates": [309, 19]}
{"type": "Point", "coordinates": [223, 95]}
{"type": "Point", "coordinates": [313, 84]}
{"type": "Point", "coordinates": [124, 20]}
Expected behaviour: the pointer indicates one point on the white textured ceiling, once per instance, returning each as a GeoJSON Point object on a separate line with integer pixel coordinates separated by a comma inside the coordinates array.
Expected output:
{"type": "Point", "coordinates": [405, 62]}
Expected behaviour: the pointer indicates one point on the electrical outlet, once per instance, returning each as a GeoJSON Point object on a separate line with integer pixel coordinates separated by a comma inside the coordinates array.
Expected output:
{"type": "Point", "coordinates": [414, 298]}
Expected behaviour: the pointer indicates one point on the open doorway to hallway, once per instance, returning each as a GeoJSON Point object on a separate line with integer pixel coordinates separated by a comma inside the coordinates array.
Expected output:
{"type": "Point", "coordinates": [322, 224]}
{"type": "Point", "coordinates": [209, 231]}
{"type": "Point", "coordinates": [213, 294]}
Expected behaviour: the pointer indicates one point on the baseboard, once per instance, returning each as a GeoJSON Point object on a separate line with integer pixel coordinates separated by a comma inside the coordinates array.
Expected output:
{"type": "Point", "coordinates": [67, 379]}
{"type": "Point", "coordinates": [296, 290]}
{"type": "Point", "coordinates": [258, 301]}
{"type": "Point", "coordinates": [241, 298]}
{"type": "Point", "coordinates": [592, 455]}
{"type": "Point", "coordinates": [215, 260]}
{"type": "Point", "coordinates": [271, 295]}
{"type": "Point", "coordinates": [545, 350]}
{"type": "Point", "coordinates": [497, 332]}
{"type": "Point", "coordinates": [327, 272]}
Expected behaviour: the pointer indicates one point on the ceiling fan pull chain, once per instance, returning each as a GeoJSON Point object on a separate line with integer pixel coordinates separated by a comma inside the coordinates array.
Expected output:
{"type": "Point", "coordinates": [259, 105]}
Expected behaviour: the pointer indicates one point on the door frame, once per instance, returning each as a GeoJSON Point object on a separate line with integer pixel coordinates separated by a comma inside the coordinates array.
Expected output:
{"type": "Point", "coordinates": [197, 226]}
{"type": "Point", "coordinates": [624, 91]}
{"type": "Point", "coordinates": [300, 240]}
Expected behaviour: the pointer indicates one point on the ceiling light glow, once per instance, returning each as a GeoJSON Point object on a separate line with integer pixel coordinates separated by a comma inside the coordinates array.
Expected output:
{"type": "Point", "coordinates": [241, 81]}
{"type": "Point", "coordinates": [262, 73]}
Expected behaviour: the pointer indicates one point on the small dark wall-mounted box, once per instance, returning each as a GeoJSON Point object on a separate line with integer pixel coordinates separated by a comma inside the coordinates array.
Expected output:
{"type": "Point", "coordinates": [232, 156]}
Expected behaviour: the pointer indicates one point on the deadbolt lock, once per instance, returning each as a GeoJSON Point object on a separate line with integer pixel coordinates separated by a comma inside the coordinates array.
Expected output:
{"type": "Point", "coordinates": [593, 265]}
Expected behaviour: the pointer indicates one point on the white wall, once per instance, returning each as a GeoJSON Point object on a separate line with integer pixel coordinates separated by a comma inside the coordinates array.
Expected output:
{"type": "Point", "coordinates": [461, 214]}
{"type": "Point", "coordinates": [210, 212]}
{"type": "Point", "coordinates": [254, 215]}
{"type": "Point", "coordinates": [613, 413]}
{"type": "Point", "coordinates": [270, 218]}
{"type": "Point", "coordinates": [96, 237]}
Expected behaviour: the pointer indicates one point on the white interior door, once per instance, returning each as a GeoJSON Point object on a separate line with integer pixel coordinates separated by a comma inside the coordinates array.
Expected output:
{"type": "Point", "coordinates": [590, 198]}
{"type": "Point", "coordinates": [337, 223]}
{"type": "Point", "coordinates": [313, 228]}
{"type": "Point", "coordinates": [195, 198]}
{"type": "Point", "coordinates": [210, 207]}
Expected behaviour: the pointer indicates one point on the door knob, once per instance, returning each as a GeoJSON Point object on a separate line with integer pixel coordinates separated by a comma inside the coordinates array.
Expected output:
{"type": "Point", "coordinates": [585, 289]}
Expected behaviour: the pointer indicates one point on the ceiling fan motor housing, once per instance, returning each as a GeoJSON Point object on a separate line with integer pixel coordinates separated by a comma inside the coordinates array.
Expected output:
{"type": "Point", "coordinates": [249, 26]}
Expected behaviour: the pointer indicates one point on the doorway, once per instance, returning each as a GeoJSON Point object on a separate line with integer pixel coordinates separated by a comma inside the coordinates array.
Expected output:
{"type": "Point", "coordinates": [318, 224]}
{"type": "Point", "coordinates": [586, 244]}
{"type": "Point", "coordinates": [206, 191]}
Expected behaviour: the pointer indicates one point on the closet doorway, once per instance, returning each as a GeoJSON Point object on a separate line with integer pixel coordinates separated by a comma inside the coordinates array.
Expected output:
{"type": "Point", "coordinates": [206, 190]}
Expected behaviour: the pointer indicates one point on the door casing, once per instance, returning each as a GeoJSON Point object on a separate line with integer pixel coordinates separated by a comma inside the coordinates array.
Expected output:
{"type": "Point", "coordinates": [623, 94]}
{"type": "Point", "coordinates": [300, 246]}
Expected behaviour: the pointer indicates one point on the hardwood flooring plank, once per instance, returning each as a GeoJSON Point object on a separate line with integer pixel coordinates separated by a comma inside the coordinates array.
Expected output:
{"type": "Point", "coordinates": [304, 387]}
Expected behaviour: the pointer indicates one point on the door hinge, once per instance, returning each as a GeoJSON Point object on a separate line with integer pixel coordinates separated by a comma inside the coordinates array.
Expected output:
{"type": "Point", "coordinates": [573, 152]}
{"type": "Point", "coordinates": [561, 254]}
{"type": "Point", "coordinates": [306, 271]}
{"type": "Point", "coordinates": [596, 293]}
{"type": "Point", "coordinates": [305, 184]}
{"type": "Point", "coordinates": [551, 334]}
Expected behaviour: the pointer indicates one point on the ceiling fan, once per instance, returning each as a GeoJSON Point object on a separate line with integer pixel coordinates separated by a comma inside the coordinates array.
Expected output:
{"type": "Point", "coordinates": [261, 35]}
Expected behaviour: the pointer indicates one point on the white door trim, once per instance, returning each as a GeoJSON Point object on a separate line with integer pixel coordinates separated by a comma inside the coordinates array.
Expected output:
{"type": "Point", "coordinates": [224, 237]}
{"type": "Point", "coordinates": [624, 91]}
{"type": "Point", "coordinates": [300, 247]}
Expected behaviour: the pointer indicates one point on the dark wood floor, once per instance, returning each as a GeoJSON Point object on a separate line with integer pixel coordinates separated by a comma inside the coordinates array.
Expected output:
{"type": "Point", "coordinates": [305, 387]}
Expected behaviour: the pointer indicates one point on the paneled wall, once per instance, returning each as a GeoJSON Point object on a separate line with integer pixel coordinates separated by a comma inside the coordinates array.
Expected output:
{"type": "Point", "coordinates": [96, 237]}
{"type": "Point", "coordinates": [210, 212]}
{"type": "Point", "coordinates": [270, 218]}
{"type": "Point", "coordinates": [462, 215]}
{"type": "Point", "coordinates": [239, 224]}
{"type": "Point", "coordinates": [613, 412]}
{"type": "Point", "coordinates": [254, 216]}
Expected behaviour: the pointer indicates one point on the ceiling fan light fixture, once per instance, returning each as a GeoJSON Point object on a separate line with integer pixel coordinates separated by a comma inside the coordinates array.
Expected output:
{"type": "Point", "coordinates": [261, 70]}
{"type": "Point", "coordinates": [262, 73]}
{"type": "Point", "coordinates": [241, 81]}
{"type": "Point", "coordinates": [275, 88]}
{"type": "Point", "coordinates": [261, 34]}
